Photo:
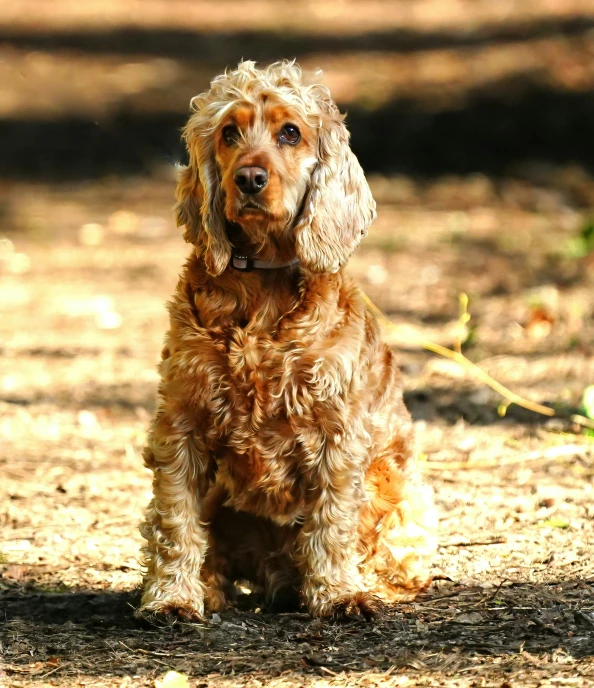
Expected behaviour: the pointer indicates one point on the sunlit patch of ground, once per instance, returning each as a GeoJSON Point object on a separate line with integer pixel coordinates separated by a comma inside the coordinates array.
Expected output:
{"type": "Point", "coordinates": [81, 327]}
{"type": "Point", "coordinates": [86, 265]}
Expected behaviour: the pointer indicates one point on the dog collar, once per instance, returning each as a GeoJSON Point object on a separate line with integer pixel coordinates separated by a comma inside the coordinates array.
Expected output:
{"type": "Point", "coordinates": [246, 264]}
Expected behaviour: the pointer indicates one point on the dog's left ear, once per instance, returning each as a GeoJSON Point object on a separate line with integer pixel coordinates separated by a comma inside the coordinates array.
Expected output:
{"type": "Point", "coordinates": [338, 207]}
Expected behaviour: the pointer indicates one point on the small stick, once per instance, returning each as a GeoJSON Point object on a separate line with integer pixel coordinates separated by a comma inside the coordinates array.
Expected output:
{"type": "Point", "coordinates": [582, 420]}
{"type": "Point", "coordinates": [495, 541]}
{"type": "Point", "coordinates": [457, 356]}
{"type": "Point", "coordinates": [49, 673]}
{"type": "Point", "coordinates": [493, 595]}
{"type": "Point", "coordinates": [550, 454]}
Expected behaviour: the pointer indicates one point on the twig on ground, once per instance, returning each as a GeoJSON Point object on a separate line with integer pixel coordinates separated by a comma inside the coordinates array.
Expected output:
{"type": "Point", "coordinates": [493, 595]}
{"type": "Point", "coordinates": [582, 420]}
{"type": "Point", "coordinates": [49, 673]}
{"type": "Point", "coordinates": [494, 541]}
{"type": "Point", "coordinates": [551, 454]}
{"type": "Point", "coordinates": [458, 357]}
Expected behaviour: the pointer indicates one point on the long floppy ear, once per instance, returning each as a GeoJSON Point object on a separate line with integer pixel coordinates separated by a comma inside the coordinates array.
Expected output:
{"type": "Point", "coordinates": [200, 200]}
{"type": "Point", "coordinates": [339, 206]}
{"type": "Point", "coordinates": [188, 195]}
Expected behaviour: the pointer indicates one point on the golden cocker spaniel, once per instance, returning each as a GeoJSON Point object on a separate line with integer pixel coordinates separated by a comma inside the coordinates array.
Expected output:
{"type": "Point", "coordinates": [281, 450]}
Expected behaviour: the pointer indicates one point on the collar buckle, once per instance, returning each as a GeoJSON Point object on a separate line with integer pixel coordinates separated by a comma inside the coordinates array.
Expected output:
{"type": "Point", "coordinates": [243, 263]}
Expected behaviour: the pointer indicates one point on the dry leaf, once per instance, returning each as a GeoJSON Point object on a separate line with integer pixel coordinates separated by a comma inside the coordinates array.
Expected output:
{"type": "Point", "coordinates": [470, 618]}
{"type": "Point", "coordinates": [172, 680]}
{"type": "Point", "coordinates": [555, 523]}
{"type": "Point", "coordinates": [540, 324]}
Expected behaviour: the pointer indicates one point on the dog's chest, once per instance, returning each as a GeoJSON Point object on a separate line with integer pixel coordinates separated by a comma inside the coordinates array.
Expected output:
{"type": "Point", "coordinates": [257, 367]}
{"type": "Point", "coordinates": [260, 455]}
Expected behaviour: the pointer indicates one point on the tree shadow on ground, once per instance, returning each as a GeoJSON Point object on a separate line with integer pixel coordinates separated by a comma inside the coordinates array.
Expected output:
{"type": "Point", "coordinates": [495, 126]}
{"type": "Point", "coordinates": [219, 49]}
{"type": "Point", "coordinates": [57, 605]}
{"type": "Point", "coordinates": [556, 266]}
{"type": "Point", "coordinates": [451, 405]}
{"type": "Point", "coordinates": [451, 627]}
{"type": "Point", "coordinates": [90, 395]}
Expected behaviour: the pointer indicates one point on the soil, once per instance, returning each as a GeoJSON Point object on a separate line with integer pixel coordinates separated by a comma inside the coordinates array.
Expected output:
{"type": "Point", "coordinates": [89, 254]}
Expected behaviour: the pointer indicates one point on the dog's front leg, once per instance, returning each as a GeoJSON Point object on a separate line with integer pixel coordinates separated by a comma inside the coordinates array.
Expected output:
{"type": "Point", "coordinates": [327, 541]}
{"type": "Point", "coordinates": [176, 538]}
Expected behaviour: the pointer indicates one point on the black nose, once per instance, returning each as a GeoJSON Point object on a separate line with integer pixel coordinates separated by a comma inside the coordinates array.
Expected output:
{"type": "Point", "coordinates": [251, 180]}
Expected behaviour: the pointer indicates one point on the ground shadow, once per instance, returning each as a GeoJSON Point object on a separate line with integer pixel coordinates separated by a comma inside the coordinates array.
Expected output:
{"type": "Point", "coordinates": [474, 254]}
{"type": "Point", "coordinates": [59, 605]}
{"type": "Point", "coordinates": [219, 49]}
{"type": "Point", "coordinates": [497, 128]}
{"type": "Point", "coordinates": [494, 127]}
{"type": "Point", "coordinates": [451, 405]}
{"type": "Point", "coordinates": [452, 626]}
{"type": "Point", "coordinates": [92, 395]}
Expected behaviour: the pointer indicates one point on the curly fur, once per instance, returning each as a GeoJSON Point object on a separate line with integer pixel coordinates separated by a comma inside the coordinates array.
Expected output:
{"type": "Point", "coordinates": [282, 451]}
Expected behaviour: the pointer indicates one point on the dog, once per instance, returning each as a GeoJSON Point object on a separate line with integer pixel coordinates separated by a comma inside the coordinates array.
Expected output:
{"type": "Point", "coordinates": [281, 449]}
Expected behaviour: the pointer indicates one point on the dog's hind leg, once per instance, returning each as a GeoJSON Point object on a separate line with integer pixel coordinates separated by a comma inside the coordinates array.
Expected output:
{"type": "Point", "coordinates": [397, 532]}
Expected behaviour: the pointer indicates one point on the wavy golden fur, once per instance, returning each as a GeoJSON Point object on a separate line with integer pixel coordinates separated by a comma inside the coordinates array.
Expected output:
{"type": "Point", "coordinates": [282, 451]}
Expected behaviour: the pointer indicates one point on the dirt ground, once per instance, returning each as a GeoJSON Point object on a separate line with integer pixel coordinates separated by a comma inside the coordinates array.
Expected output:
{"type": "Point", "coordinates": [89, 254]}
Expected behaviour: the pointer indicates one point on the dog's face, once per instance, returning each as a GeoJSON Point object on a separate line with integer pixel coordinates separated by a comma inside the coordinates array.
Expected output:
{"type": "Point", "coordinates": [271, 155]}
{"type": "Point", "coordinates": [265, 154]}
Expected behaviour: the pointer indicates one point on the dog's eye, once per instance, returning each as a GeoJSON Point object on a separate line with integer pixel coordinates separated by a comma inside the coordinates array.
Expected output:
{"type": "Point", "coordinates": [290, 134]}
{"type": "Point", "coordinates": [230, 135]}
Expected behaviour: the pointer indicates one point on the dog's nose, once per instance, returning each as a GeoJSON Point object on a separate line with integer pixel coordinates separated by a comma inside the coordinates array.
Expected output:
{"type": "Point", "coordinates": [251, 180]}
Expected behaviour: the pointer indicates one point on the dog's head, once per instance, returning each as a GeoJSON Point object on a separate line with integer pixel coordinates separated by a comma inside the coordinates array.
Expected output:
{"type": "Point", "coordinates": [270, 154]}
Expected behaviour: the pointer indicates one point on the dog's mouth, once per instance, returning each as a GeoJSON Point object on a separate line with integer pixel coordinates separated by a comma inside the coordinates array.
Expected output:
{"type": "Point", "coordinates": [257, 219]}
{"type": "Point", "coordinates": [252, 206]}
{"type": "Point", "coordinates": [240, 240]}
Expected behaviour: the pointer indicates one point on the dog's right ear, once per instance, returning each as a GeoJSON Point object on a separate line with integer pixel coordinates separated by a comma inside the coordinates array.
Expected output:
{"type": "Point", "coordinates": [200, 200]}
{"type": "Point", "coordinates": [188, 194]}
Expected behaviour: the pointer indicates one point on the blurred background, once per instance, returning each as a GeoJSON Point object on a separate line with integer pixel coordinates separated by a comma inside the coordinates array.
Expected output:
{"type": "Point", "coordinates": [432, 87]}
{"type": "Point", "coordinates": [474, 121]}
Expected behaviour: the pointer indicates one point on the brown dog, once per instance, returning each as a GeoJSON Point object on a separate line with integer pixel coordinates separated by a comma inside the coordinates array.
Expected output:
{"type": "Point", "coordinates": [282, 451]}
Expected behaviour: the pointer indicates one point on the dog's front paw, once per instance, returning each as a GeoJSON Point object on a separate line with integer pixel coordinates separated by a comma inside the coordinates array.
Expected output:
{"type": "Point", "coordinates": [351, 605]}
{"type": "Point", "coordinates": [169, 610]}
{"type": "Point", "coordinates": [360, 605]}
